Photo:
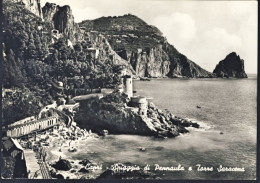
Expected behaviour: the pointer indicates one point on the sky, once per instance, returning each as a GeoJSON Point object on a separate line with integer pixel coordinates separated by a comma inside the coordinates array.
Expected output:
{"type": "Point", "coordinates": [204, 31]}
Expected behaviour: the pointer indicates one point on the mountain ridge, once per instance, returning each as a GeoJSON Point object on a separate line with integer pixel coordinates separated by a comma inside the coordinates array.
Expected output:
{"type": "Point", "coordinates": [144, 46]}
{"type": "Point", "coordinates": [119, 23]}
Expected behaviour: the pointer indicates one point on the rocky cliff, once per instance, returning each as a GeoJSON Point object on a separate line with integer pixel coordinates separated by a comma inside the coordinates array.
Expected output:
{"type": "Point", "coordinates": [32, 5]}
{"type": "Point", "coordinates": [144, 47]}
{"type": "Point", "coordinates": [113, 114]}
{"type": "Point", "coordinates": [156, 62]}
{"type": "Point", "coordinates": [62, 19]}
{"type": "Point", "coordinates": [103, 50]}
{"type": "Point", "coordinates": [152, 62]}
{"type": "Point", "coordinates": [231, 66]}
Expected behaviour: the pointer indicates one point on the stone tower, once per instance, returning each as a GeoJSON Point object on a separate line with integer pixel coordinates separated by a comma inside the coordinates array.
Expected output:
{"type": "Point", "coordinates": [129, 86]}
{"type": "Point", "coordinates": [141, 103]}
{"type": "Point", "coordinates": [127, 83]}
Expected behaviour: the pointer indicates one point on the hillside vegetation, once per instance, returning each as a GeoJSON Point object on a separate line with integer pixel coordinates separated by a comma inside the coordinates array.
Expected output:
{"type": "Point", "coordinates": [34, 57]}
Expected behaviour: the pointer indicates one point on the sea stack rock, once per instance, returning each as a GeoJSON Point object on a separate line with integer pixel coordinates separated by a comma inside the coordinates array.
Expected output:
{"type": "Point", "coordinates": [231, 66]}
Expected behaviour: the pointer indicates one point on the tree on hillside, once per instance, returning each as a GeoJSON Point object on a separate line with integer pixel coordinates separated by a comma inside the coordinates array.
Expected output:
{"type": "Point", "coordinates": [12, 75]}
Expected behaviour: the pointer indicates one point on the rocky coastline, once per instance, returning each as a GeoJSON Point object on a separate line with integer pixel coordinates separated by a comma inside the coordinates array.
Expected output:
{"type": "Point", "coordinates": [86, 56]}
{"type": "Point", "coordinates": [116, 116]}
{"type": "Point", "coordinates": [61, 165]}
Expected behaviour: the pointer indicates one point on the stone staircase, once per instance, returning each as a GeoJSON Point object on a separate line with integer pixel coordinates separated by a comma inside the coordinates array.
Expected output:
{"type": "Point", "coordinates": [36, 167]}
{"type": "Point", "coordinates": [32, 165]}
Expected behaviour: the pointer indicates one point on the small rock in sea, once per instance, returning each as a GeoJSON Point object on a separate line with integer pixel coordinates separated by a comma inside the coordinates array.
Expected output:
{"type": "Point", "coordinates": [195, 125]}
{"type": "Point", "coordinates": [221, 133]}
{"type": "Point", "coordinates": [72, 149]}
{"type": "Point", "coordinates": [142, 149]}
{"type": "Point", "coordinates": [83, 170]}
{"type": "Point", "coordinates": [103, 133]}
{"type": "Point", "coordinates": [73, 171]}
{"type": "Point", "coordinates": [84, 162]}
{"type": "Point", "coordinates": [198, 106]}
{"type": "Point", "coordinates": [62, 164]}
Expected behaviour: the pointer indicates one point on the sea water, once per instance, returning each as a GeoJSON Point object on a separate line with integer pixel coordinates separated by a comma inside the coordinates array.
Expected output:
{"type": "Point", "coordinates": [227, 105]}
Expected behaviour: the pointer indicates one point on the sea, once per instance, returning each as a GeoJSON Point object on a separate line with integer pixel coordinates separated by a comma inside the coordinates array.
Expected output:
{"type": "Point", "coordinates": [227, 136]}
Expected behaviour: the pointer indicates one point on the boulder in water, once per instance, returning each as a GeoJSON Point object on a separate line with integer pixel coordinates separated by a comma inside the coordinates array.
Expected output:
{"type": "Point", "coordinates": [83, 170]}
{"type": "Point", "coordinates": [62, 164]}
{"type": "Point", "coordinates": [73, 171]}
{"type": "Point", "coordinates": [189, 123]}
{"type": "Point", "coordinates": [85, 162]}
{"type": "Point", "coordinates": [103, 133]}
{"type": "Point", "coordinates": [142, 149]}
{"type": "Point", "coordinates": [72, 149]}
{"type": "Point", "coordinates": [173, 133]}
{"type": "Point", "coordinates": [195, 125]}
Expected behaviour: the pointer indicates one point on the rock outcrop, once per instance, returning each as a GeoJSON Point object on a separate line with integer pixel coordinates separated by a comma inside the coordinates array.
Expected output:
{"type": "Point", "coordinates": [33, 5]}
{"type": "Point", "coordinates": [156, 62]}
{"type": "Point", "coordinates": [118, 118]}
{"type": "Point", "coordinates": [104, 51]}
{"type": "Point", "coordinates": [62, 19]}
{"type": "Point", "coordinates": [112, 117]}
{"type": "Point", "coordinates": [152, 62]}
{"type": "Point", "coordinates": [62, 164]}
{"type": "Point", "coordinates": [231, 66]}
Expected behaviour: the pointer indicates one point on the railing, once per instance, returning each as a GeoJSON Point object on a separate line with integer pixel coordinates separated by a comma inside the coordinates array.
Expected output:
{"type": "Point", "coordinates": [43, 167]}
